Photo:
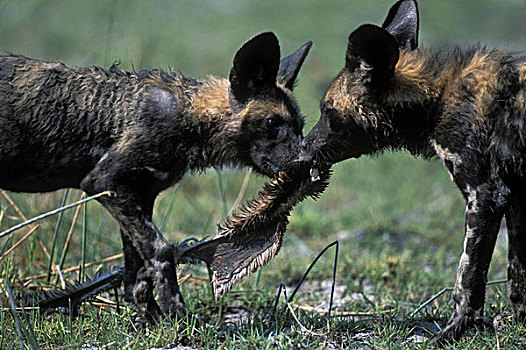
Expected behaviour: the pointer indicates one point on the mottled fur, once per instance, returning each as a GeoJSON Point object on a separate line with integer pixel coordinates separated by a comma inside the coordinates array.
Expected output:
{"type": "Point", "coordinates": [138, 133]}
{"type": "Point", "coordinates": [464, 106]}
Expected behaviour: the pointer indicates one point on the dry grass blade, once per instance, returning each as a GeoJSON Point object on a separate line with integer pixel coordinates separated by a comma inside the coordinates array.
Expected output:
{"type": "Point", "coordinates": [222, 192]}
{"type": "Point", "coordinates": [40, 217]}
{"type": "Point", "coordinates": [50, 213]}
{"type": "Point", "coordinates": [320, 311]}
{"type": "Point", "coordinates": [26, 236]}
{"type": "Point", "coordinates": [305, 308]}
{"type": "Point", "coordinates": [243, 189]}
{"type": "Point", "coordinates": [129, 345]}
{"type": "Point", "coordinates": [448, 289]}
{"type": "Point", "coordinates": [106, 301]}
{"type": "Point", "coordinates": [21, 214]}
{"type": "Point", "coordinates": [169, 207]}
{"type": "Point", "coordinates": [23, 309]}
{"type": "Point", "coordinates": [76, 268]}
{"type": "Point", "coordinates": [68, 240]}
{"type": "Point", "coordinates": [289, 306]}
{"type": "Point", "coordinates": [184, 279]}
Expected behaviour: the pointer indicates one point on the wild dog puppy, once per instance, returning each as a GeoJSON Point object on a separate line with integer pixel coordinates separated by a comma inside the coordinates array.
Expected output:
{"type": "Point", "coordinates": [466, 107]}
{"type": "Point", "coordinates": [138, 133]}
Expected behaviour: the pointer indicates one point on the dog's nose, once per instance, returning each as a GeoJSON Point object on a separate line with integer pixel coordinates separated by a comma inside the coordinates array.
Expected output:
{"type": "Point", "coordinates": [305, 157]}
{"type": "Point", "coordinates": [300, 166]}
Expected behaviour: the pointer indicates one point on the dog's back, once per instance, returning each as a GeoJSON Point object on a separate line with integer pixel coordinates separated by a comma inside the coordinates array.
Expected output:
{"type": "Point", "coordinates": [481, 96]}
{"type": "Point", "coordinates": [56, 122]}
{"type": "Point", "coordinates": [509, 131]}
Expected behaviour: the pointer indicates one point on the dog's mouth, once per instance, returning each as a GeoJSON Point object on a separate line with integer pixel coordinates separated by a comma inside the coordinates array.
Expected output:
{"type": "Point", "coordinates": [314, 173]}
{"type": "Point", "coordinates": [298, 168]}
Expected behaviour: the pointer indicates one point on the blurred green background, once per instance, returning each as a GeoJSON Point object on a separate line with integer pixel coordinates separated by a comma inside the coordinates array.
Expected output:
{"type": "Point", "coordinates": [388, 195]}
{"type": "Point", "coordinates": [391, 194]}
{"type": "Point", "coordinates": [399, 219]}
{"type": "Point", "coordinates": [201, 37]}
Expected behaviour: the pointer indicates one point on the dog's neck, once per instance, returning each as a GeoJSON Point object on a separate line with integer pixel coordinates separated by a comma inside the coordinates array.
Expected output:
{"type": "Point", "coordinates": [415, 96]}
{"type": "Point", "coordinates": [211, 116]}
{"type": "Point", "coordinates": [424, 81]}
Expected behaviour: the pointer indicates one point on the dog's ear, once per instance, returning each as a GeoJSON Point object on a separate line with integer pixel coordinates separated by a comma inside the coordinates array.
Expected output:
{"type": "Point", "coordinates": [402, 22]}
{"type": "Point", "coordinates": [289, 67]}
{"type": "Point", "coordinates": [255, 67]}
{"type": "Point", "coordinates": [373, 50]}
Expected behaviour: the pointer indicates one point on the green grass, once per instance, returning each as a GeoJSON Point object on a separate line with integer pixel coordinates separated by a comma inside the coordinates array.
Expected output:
{"type": "Point", "coordinates": [399, 220]}
{"type": "Point", "coordinates": [399, 245]}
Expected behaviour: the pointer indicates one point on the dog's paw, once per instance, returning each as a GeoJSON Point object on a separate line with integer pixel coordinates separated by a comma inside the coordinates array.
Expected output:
{"type": "Point", "coordinates": [457, 325]}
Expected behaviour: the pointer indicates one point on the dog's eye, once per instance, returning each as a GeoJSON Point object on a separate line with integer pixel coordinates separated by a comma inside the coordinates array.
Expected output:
{"type": "Point", "coordinates": [273, 124]}
{"type": "Point", "coordinates": [274, 121]}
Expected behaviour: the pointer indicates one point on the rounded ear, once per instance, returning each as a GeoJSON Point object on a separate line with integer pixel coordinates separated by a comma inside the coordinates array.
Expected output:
{"type": "Point", "coordinates": [402, 22]}
{"type": "Point", "coordinates": [289, 67]}
{"type": "Point", "coordinates": [255, 66]}
{"type": "Point", "coordinates": [376, 48]}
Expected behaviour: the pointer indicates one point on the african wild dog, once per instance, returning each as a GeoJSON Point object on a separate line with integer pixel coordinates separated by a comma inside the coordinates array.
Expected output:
{"type": "Point", "coordinates": [466, 107]}
{"type": "Point", "coordinates": [138, 133]}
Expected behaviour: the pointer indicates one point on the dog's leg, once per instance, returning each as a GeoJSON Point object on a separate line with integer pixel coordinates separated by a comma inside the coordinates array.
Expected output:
{"type": "Point", "coordinates": [484, 212]}
{"type": "Point", "coordinates": [516, 221]}
{"type": "Point", "coordinates": [142, 295]}
{"type": "Point", "coordinates": [133, 262]}
{"type": "Point", "coordinates": [132, 207]}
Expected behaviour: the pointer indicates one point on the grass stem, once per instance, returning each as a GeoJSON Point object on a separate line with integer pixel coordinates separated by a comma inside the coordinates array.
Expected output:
{"type": "Point", "coordinates": [55, 235]}
{"type": "Point", "coordinates": [53, 212]}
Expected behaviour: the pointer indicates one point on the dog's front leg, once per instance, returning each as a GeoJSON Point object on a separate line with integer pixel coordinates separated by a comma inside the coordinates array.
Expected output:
{"type": "Point", "coordinates": [133, 262]}
{"type": "Point", "coordinates": [132, 207]}
{"type": "Point", "coordinates": [159, 267]}
{"type": "Point", "coordinates": [516, 222]}
{"type": "Point", "coordinates": [484, 211]}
